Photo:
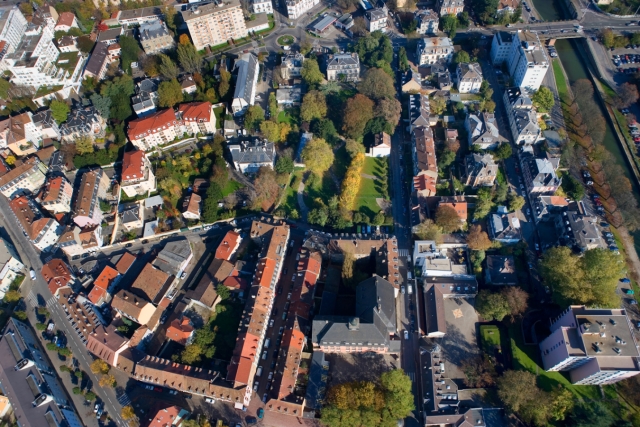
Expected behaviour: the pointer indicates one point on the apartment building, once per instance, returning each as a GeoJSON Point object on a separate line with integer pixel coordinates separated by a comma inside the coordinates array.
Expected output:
{"type": "Point", "coordinates": [43, 232]}
{"type": "Point", "coordinates": [343, 67]}
{"type": "Point", "coordinates": [174, 258]}
{"type": "Point", "coordinates": [155, 37]}
{"type": "Point", "coordinates": [428, 21]}
{"type": "Point", "coordinates": [228, 246]}
{"type": "Point", "coordinates": [540, 175]}
{"type": "Point", "coordinates": [155, 129]}
{"type": "Point", "coordinates": [425, 167]}
{"type": "Point", "coordinates": [297, 8]}
{"type": "Point", "coordinates": [13, 25]}
{"type": "Point", "coordinates": [19, 134]}
{"type": "Point", "coordinates": [376, 20]}
{"type": "Point", "coordinates": [144, 101]}
{"type": "Point", "coordinates": [469, 77]}
{"type": "Point", "coordinates": [137, 174]}
{"type": "Point", "coordinates": [10, 266]}
{"type": "Point", "coordinates": [93, 188]}
{"type": "Point", "coordinates": [292, 65]}
{"type": "Point", "coordinates": [26, 178]}
{"type": "Point", "coordinates": [246, 84]}
{"type": "Point", "coordinates": [501, 46]}
{"type": "Point", "coordinates": [133, 307]}
{"type": "Point", "coordinates": [68, 44]}
{"type": "Point", "coordinates": [249, 156]}
{"type": "Point", "coordinates": [479, 170]}
{"type": "Point", "coordinates": [262, 6]}
{"type": "Point", "coordinates": [596, 346]}
{"type": "Point", "coordinates": [139, 16]}
{"type": "Point", "coordinates": [77, 241]}
{"type": "Point", "coordinates": [98, 62]}
{"type": "Point", "coordinates": [45, 126]}
{"type": "Point", "coordinates": [55, 196]}
{"type": "Point", "coordinates": [450, 7]}
{"type": "Point", "coordinates": [215, 23]}
{"type": "Point", "coordinates": [198, 117]}
{"type": "Point", "coordinates": [528, 62]}
{"type": "Point", "coordinates": [83, 121]}
{"type": "Point", "coordinates": [434, 49]}
{"type": "Point", "coordinates": [505, 226]}
{"type": "Point", "coordinates": [483, 131]}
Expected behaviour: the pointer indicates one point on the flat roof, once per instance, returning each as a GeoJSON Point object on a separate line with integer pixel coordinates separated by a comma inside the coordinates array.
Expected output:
{"type": "Point", "coordinates": [607, 335]}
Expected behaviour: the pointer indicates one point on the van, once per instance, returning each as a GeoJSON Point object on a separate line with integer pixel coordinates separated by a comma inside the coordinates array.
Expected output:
{"type": "Point", "coordinates": [267, 342]}
{"type": "Point", "coordinates": [259, 371]}
{"type": "Point", "coordinates": [410, 289]}
{"type": "Point", "coordinates": [409, 275]}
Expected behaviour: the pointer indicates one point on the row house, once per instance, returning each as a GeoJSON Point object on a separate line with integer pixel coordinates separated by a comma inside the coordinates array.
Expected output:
{"type": "Point", "coordinates": [25, 178]}
{"type": "Point", "coordinates": [425, 167]}
{"type": "Point", "coordinates": [93, 188]}
{"type": "Point", "coordinates": [450, 7]}
{"type": "Point", "coordinates": [43, 232]}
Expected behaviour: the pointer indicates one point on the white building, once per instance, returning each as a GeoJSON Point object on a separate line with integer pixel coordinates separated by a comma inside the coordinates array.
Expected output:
{"type": "Point", "coordinates": [262, 6]}
{"type": "Point", "coordinates": [66, 21]}
{"type": "Point", "coordinates": [501, 47]}
{"type": "Point", "coordinates": [434, 49]}
{"type": "Point", "coordinates": [10, 266]}
{"type": "Point", "coordinates": [381, 146]}
{"type": "Point", "coordinates": [246, 83]}
{"type": "Point", "coordinates": [450, 7]}
{"type": "Point", "coordinates": [428, 21]}
{"type": "Point", "coordinates": [55, 196]}
{"type": "Point", "coordinates": [528, 62]}
{"type": "Point", "coordinates": [249, 156]}
{"type": "Point", "coordinates": [343, 66]}
{"type": "Point", "coordinates": [376, 20]}
{"type": "Point", "coordinates": [215, 23]}
{"type": "Point", "coordinates": [137, 174]}
{"type": "Point", "coordinates": [469, 77]}
{"type": "Point", "coordinates": [292, 65]}
{"type": "Point", "coordinates": [28, 177]}
{"type": "Point", "coordinates": [12, 26]}
{"type": "Point", "coordinates": [297, 8]}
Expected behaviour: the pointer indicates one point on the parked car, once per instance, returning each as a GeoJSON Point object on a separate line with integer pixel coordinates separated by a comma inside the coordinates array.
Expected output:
{"type": "Point", "coordinates": [625, 280]}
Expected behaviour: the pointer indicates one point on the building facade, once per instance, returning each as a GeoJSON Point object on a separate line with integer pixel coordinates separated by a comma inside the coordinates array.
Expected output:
{"type": "Point", "coordinates": [155, 37]}
{"type": "Point", "coordinates": [434, 49]}
{"type": "Point", "coordinates": [469, 77]}
{"type": "Point", "coordinates": [450, 7]}
{"type": "Point", "coordinates": [376, 20]}
{"type": "Point", "coordinates": [26, 178]}
{"type": "Point", "coordinates": [262, 6]}
{"type": "Point", "coordinates": [137, 174]}
{"type": "Point", "coordinates": [528, 62]}
{"type": "Point", "coordinates": [297, 8]}
{"type": "Point", "coordinates": [344, 67]}
{"type": "Point", "coordinates": [214, 24]}
{"type": "Point", "coordinates": [246, 83]}
{"type": "Point", "coordinates": [55, 196]}
{"type": "Point", "coordinates": [428, 21]}
{"type": "Point", "coordinates": [13, 25]}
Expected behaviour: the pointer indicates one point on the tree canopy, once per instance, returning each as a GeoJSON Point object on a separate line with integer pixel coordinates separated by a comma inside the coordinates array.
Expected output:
{"type": "Point", "coordinates": [311, 73]}
{"type": "Point", "coordinates": [357, 113]}
{"type": "Point", "coordinates": [314, 106]}
{"type": "Point", "coordinates": [377, 84]}
{"type": "Point", "coordinates": [477, 239]}
{"type": "Point", "coordinates": [448, 219]}
{"type": "Point", "coordinates": [492, 306]}
{"type": "Point", "coordinates": [170, 93]}
{"type": "Point", "coordinates": [543, 99]}
{"type": "Point", "coordinates": [59, 111]}
{"type": "Point", "coordinates": [317, 156]}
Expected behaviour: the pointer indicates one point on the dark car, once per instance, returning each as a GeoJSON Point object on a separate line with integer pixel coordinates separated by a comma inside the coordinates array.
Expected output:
{"type": "Point", "coordinates": [129, 245]}
{"type": "Point", "coordinates": [251, 420]}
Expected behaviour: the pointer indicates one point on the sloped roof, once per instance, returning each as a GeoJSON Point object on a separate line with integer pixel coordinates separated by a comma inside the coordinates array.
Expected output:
{"type": "Point", "coordinates": [228, 245]}
{"type": "Point", "coordinates": [150, 283]}
{"type": "Point", "coordinates": [156, 122]}
{"type": "Point", "coordinates": [196, 111]}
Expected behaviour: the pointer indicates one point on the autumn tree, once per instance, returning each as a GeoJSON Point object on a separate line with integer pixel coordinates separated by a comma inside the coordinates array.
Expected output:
{"type": "Point", "coordinates": [517, 300]}
{"type": "Point", "coordinates": [437, 104]}
{"type": "Point", "coordinates": [170, 13]}
{"type": "Point", "coordinates": [477, 239]}
{"type": "Point", "coordinates": [317, 156]}
{"type": "Point", "coordinates": [127, 413]}
{"type": "Point", "coordinates": [189, 58]}
{"type": "Point", "coordinates": [377, 84]}
{"type": "Point", "coordinates": [107, 381]}
{"type": "Point", "coordinates": [224, 86]}
{"type": "Point", "coordinates": [348, 266]}
{"type": "Point", "coordinates": [478, 372]}
{"type": "Point", "coordinates": [492, 306]}
{"type": "Point", "coordinates": [267, 189]}
{"type": "Point", "coordinates": [84, 145]}
{"type": "Point", "coordinates": [167, 68]}
{"type": "Point", "coordinates": [627, 95]}
{"type": "Point", "coordinates": [253, 117]}
{"type": "Point", "coordinates": [170, 93]}
{"type": "Point", "coordinates": [59, 111]}
{"type": "Point", "coordinates": [311, 73]}
{"type": "Point", "coordinates": [314, 106]}
{"type": "Point", "coordinates": [389, 109]}
{"type": "Point", "coordinates": [448, 219]}
{"type": "Point", "coordinates": [515, 202]}
{"type": "Point", "coordinates": [351, 183]}
{"type": "Point", "coordinates": [429, 230]}
{"type": "Point", "coordinates": [270, 130]}
{"type": "Point", "coordinates": [357, 113]}
{"type": "Point", "coordinates": [543, 99]}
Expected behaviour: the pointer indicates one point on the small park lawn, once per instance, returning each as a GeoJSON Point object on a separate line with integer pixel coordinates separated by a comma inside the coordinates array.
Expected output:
{"type": "Point", "coordinates": [231, 187]}
{"type": "Point", "coordinates": [490, 338]}
{"type": "Point", "coordinates": [366, 201]}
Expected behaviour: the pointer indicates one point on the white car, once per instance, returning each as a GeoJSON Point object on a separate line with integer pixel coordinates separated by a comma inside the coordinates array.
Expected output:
{"type": "Point", "coordinates": [209, 400]}
{"type": "Point", "coordinates": [402, 289]}
{"type": "Point", "coordinates": [406, 334]}
{"type": "Point", "coordinates": [32, 274]}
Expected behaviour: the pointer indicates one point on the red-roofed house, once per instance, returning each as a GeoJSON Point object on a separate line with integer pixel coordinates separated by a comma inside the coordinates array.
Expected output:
{"type": "Point", "coordinates": [66, 21]}
{"type": "Point", "coordinates": [228, 246]}
{"type": "Point", "coordinates": [459, 204]}
{"type": "Point", "coordinates": [168, 417]}
{"type": "Point", "coordinates": [181, 331]}
{"type": "Point", "coordinates": [242, 368]}
{"type": "Point", "coordinates": [236, 283]}
{"type": "Point", "coordinates": [292, 345]}
{"type": "Point", "coordinates": [100, 291]}
{"type": "Point", "coordinates": [156, 129]}
{"type": "Point", "coordinates": [424, 185]}
{"type": "Point", "coordinates": [43, 232]}
{"type": "Point", "coordinates": [198, 117]}
{"type": "Point", "coordinates": [125, 262]}
{"type": "Point", "coordinates": [57, 274]}
{"type": "Point", "coordinates": [137, 175]}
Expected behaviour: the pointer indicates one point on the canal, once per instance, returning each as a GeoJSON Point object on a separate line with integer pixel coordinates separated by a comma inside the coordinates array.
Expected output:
{"type": "Point", "coordinates": [576, 69]}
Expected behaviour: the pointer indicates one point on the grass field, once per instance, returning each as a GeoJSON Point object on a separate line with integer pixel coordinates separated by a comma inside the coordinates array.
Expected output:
{"type": "Point", "coordinates": [561, 82]}
{"type": "Point", "coordinates": [490, 338]}
{"type": "Point", "coordinates": [219, 112]}
{"type": "Point", "coordinates": [232, 186]}
{"type": "Point", "coordinates": [372, 166]}
{"type": "Point", "coordinates": [366, 201]}
{"type": "Point", "coordinates": [322, 189]}
{"type": "Point", "coordinates": [289, 115]}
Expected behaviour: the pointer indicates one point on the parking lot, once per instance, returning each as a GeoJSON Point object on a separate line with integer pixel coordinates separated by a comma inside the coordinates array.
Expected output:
{"type": "Point", "coordinates": [626, 59]}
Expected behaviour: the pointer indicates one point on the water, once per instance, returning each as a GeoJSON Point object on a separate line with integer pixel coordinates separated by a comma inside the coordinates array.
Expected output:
{"type": "Point", "coordinates": [549, 10]}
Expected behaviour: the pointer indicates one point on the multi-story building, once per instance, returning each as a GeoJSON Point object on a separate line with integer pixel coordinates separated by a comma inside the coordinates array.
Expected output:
{"type": "Point", "coordinates": [13, 25]}
{"type": "Point", "coordinates": [10, 266]}
{"type": "Point", "coordinates": [45, 15]}
{"type": "Point", "coordinates": [144, 101]}
{"type": "Point", "coordinates": [198, 117]}
{"type": "Point", "coordinates": [137, 174]}
{"type": "Point", "coordinates": [139, 16]}
{"type": "Point", "coordinates": [67, 44]}
{"type": "Point", "coordinates": [483, 131]}
{"type": "Point", "coordinates": [292, 65]}
{"type": "Point", "coordinates": [501, 46]}
{"type": "Point", "coordinates": [56, 194]}
{"type": "Point", "coordinates": [579, 230]}
{"type": "Point", "coordinates": [528, 62]}
{"type": "Point", "coordinates": [246, 84]}
{"type": "Point", "coordinates": [155, 37]}
{"type": "Point", "coordinates": [469, 77]}
{"type": "Point", "coordinates": [297, 8]}
{"type": "Point", "coordinates": [66, 21]}
{"type": "Point", "coordinates": [261, 6]}
{"type": "Point", "coordinates": [98, 62]}
{"type": "Point", "coordinates": [504, 226]}
{"type": "Point", "coordinates": [215, 23]}
{"type": "Point", "coordinates": [19, 134]}
{"type": "Point", "coordinates": [425, 167]}
{"type": "Point", "coordinates": [428, 21]}
{"type": "Point", "coordinates": [524, 126]}
{"type": "Point", "coordinates": [450, 7]}
{"type": "Point", "coordinates": [249, 156]}
{"type": "Point", "coordinates": [434, 49]}
{"type": "Point", "coordinates": [45, 126]}
{"type": "Point", "coordinates": [85, 121]}
{"type": "Point", "coordinates": [43, 232]}
{"type": "Point", "coordinates": [376, 20]}
{"type": "Point", "coordinates": [191, 207]}
{"type": "Point", "coordinates": [595, 346]}
{"type": "Point", "coordinates": [26, 178]}
{"type": "Point", "coordinates": [76, 241]}
{"type": "Point", "coordinates": [539, 175]}
{"type": "Point", "coordinates": [93, 188]}
{"type": "Point", "coordinates": [156, 129]}
{"type": "Point", "coordinates": [344, 67]}
{"type": "Point", "coordinates": [480, 170]}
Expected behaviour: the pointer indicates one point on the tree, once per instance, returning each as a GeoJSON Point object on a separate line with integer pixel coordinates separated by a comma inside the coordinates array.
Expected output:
{"type": "Point", "coordinates": [317, 156]}
{"type": "Point", "coordinates": [543, 99]}
{"type": "Point", "coordinates": [377, 84]}
{"type": "Point", "coordinates": [99, 366]}
{"type": "Point", "coordinates": [318, 216]}
{"type": "Point", "coordinates": [59, 111]}
{"type": "Point", "coordinates": [170, 13]}
{"type": "Point", "coordinates": [26, 8]}
{"type": "Point", "coordinates": [85, 44]}
{"type": "Point", "coordinates": [516, 389]}
{"type": "Point", "coordinates": [627, 95]}
{"type": "Point", "coordinates": [223, 87]}
{"type": "Point", "coordinates": [428, 230]}
{"type": "Point", "coordinates": [210, 207]}
{"type": "Point", "coordinates": [10, 160]}
{"type": "Point", "coordinates": [437, 104]}
{"type": "Point", "coordinates": [253, 117]}
{"type": "Point", "coordinates": [4, 88]}
{"type": "Point", "coordinates": [492, 305]}
{"type": "Point", "coordinates": [41, 326]}
{"type": "Point", "coordinates": [12, 296]}
{"type": "Point", "coordinates": [517, 300]}
{"type": "Point", "coordinates": [270, 130]}
{"type": "Point", "coordinates": [127, 413]}
{"type": "Point", "coordinates": [478, 372]}
{"type": "Point", "coordinates": [284, 164]}
{"type": "Point", "coordinates": [167, 68]}
{"type": "Point", "coordinates": [267, 189]}
{"type": "Point", "coordinates": [170, 93]}
{"type": "Point", "coordinates": [273, 105]}
{"type": "Point", "coordinates": [590, 414]}
{"type": "Point", "coordinates": [448, 219]}
{"type": "Point", "coordinates": [84, 145]}
{"type": "Point", "coordinates": [398, 397]}
{"type": "Point", "coordinates": [119, 90]}
{"type": "Point", "coordinates": [311, 73]}
{"type": "Point", "coordinates": [389, 109]}
{"type": "Point", "coordinates": [515, 202]}
{"type": "Point", "coordinates": [503, 151]}
{"type": "Point", "coordinates": [449, 24]}
{"type": "Point", "coordinates": [403, 61]}
{"type": "Point", "coordinates": [477, 239]}
{"type": "Point", "coordinates": [348, 269]}
{"type": "Point", "coordinates": [607, 37]}
{"type": "Point", "coordinates": [77, 390]}
{"type": "Point", "coordinates": [184, 39]}
{"type": "Point", "coordinates": [102, 104]}
{"type": "Point", "coordinates": [107, 381]}
{"type": "Point", "coordinates": [189, 58]}
{"type": "Point", "coordinates": [445, 159]}
{"type": "Point", "coordinates": [314, 106]}
{"type": "Point", "coordinates": [90, 396]}
{"type": "Point", "coordinates": [357, 113]}
{"type": "Point", "coordinates": [191, 354]}
{"type": "Point", "coordinates": [461, 57]}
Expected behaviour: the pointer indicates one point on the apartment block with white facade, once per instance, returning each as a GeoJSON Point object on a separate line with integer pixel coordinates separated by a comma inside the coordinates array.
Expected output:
{"type": "Point", "coordinates": [26, 178]}
{"type": "Point", "coordinates": [528, 62]}
{"type": "Point", "coordinates": [10, 266]}
{"type": "Point", "coordinates": [501, 46]}
{"type": "Point", "coordinates": [198, 117]}
{"type": "Point", "coordinates": [376, 20]}
{"type": "Point", "coordinates": [13, 24]}
{"type": "Point", "coordinates": [156, 129]}
{"type": "Point", "coordinates": [55, 196]}
{"type": "Point", "coordinates": [297, 8]}
{"type": "Point", "coordinates": [137, 174]}
{"type": "Point", "coordinates": [469, 77]}
{"type": "Point", "coordinates": [261, 6]}
{"type": "Point", "coordinates": [343, 66]}
{"type": "Point", "coordinates": [214, 24]}
{"type": "Point", "coordinates": [428, 21]}
{"type": "Point", "coordinates": [43, 232]}
{"type": "Point", "coordinates": [434, 49]}
{"type": "Point", "coordinates": [450, 7]}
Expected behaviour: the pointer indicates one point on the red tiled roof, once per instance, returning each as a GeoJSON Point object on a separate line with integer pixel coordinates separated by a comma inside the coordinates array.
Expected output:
{"type": "Point", "coordinates": [51, 189]}
{"type": "Point", "coordinates": [101, 284]}
{"type": "Point", "coordinates": [165, 417]}
{"type": "Point", "coordinates": [292, 343]}
{"type": "Point", "coordinates": [66, 18]}
{"type": "Point", "coordinates": [196, 111]}
{"type": "Point", "coordinates": [180, 330]}
{"type": "Point", "coordinates": [228, 245]}
{"type": "Point", "coordinates": [4, 168]}
{"type": "Point", "coordinates": [425, 182]}
{"type": "Point", "coordinates": [459, 207]}
{"type": "Point", "coordinates": [235, 283]}
{"type": "Point", "coordinates": [244, 361]}
{"type": "Point", "coordinates": [156, 122]}
{"type": "Point", "coordinates": [264, 272]}
{"type": "Point", "coordinates": [132, 165]}
{"type": "Point", "coordinates": [126, 261]}
{"type": "Point", "coordinates": [57, 274]}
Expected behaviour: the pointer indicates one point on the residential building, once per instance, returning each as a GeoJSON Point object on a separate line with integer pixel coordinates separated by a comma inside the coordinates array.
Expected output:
{"type": "Point", "coordinates": [107, 344]}
{"type": "Point", "coordinates": [132, 217]}
{"type": "Point", "coordinates": [67, 44]}
{"type": "Point", "coordinates": [114, 51]}
{"type": "Point", "coordinates": [457, 203]}
{"type": "Point", "coordinates": [66, 21]}
{"type": "Point", "coordinates": [28, 380]}
{"type": "Point", "coordinates": [170, 416]}
{"type": "Point", "coordinates": [430, 261]}
{"type": "Point", "coordinates": [595, 346]}
{"type": "Point", "coordinates": [381, 145]}
{"type": "Point", "coordinates": [547, 206]}
{"type": "Point", "coordinates": [501, 270]}
{"type": "Point", "coordinates": [469, 77]}
{"type": "Point", "coordinates": [297, 8]}
{"type": "Point", "coordinates": [435, 291]}
{"type": "Point", "coordinates": [345, 21]}
{"type": "Point", "coordinates": [501, 46]}
{"type": "Point", "coordinates": [376, 20]}
{"type": "Point", "coordinates": [103, 285]}
{"type": "Point", "coordinates": [181, 331]}
{"type": "Point", "coordinates": [45, 126]}
{"type": "Point", "coordinates": [55, 196]}
{"type": "Point", "coordinates": [434, 49]}
{"type": "Point", "coordinates": [412, 82]}
{"type": "Point", "coordinates": [249, 156]}
{"type": "Point", "coordinates": [25, 178]}
{"type": "Point", "coordinates": [227, 248]}
{"type": "Point", "coordinates": [155, 37]}
{"type": "Point", "coordinates": [343, 67]}
{"type": "Point", "coordinates": [289, 97]}
{"type": "Point", "coordinates": [450, 7]}
{"type": "Point", "coordinates": [205, 295]}
{"type": "Point", "coordinates": [524, 127]}
{"type": "Point", "coordinates": [292, 65]}
{"type": "Point", "coordinates": [144, 101]}
{"type": "Point", "coordinates": [425, 167]}
{"type": "Point", "coordinates": [191, 207]}
{"type": "Point", "coordinates": [13, 25]}
{"type": "Point", "coordinates": [579, 230]}
{"type": "Point", "coordinates": [155, 129]}
{"type": "Point", "coordinates": [98, 63]}
{"type": "Point", "coordinates": [137, 174]}
{"type": "Point", "coordinates": [133, 307]}
{"type": "Point", "coordinates": [539, 175]}
{"type": "Point", "coordinates": [508, 6]}
{"type": "Point", "coordinates": [10, 266]}
{"type": "Point", "coordinates": [152, 283]}
{"type": "Point", "coordinates": [442, 392]}
{"type": "Point", "coordinates": [428, 21]}
{"type": "Point", "coordinates": [46, 15]}
{"type": "Point", "coordinates": [480, 170]}
{"type": "Point", "coordinates": [420, 112]}
{"type": "Point", "coordinates": [110, 36]}
{"type": "Point", "coordinates": [262, 6]}
{"type": "Point", "coordinates": [139, 16]}
{"type": "Point", "coordinates": [43, 232]}
{"type": "Point", "coordinates": [93, 188]}
{"type": "Point", "coordinates": [188, 85]}
{"type": "Point", "coordinates": [58, 275]}
{"type": "Point", "coordinates": [504, 226]}
{"type": "Point", "coordinates": [246, 83]}
{"type": "Point", "coordinates": [174, 257]}
{"type": "Point", "coordinates": [198, 118]}
{"type": "Point", "coordinates": [516, 99]}
{"type": "Point", "coordinates": [19, 134]}
{"type": "Point", "coordinates": [483, 131]}
{"type": "Point", "coordinates": [215, 23]}
{"type": "Point", "coordinates": [77, 241]}
{"type": "Point", "coordinates": [528, 62]}
{"type": "Point", "coordinates": [83, 122]}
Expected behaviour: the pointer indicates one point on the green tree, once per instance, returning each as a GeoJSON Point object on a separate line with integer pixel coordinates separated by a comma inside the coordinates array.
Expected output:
{"type": "Point", "coordinates": [223, 87]}
{"type": "Point", "coordinates": [348, 266]}
{"type": "Point", "coordinates": [4, 88]}
{"type": "Point", "coordinates": [437, 104]}
{"type": "Point", "coordinates": [77, 390]}
{"type": "Point", "coordinates": [270, 130]}
{"type": "Point", "coordinates": [167, 68]}
{"type": "Point", "coordinates": [284, 164]}
{"type": "Point", "coordinates": [12, 296]}
{"type": "Point", "coordinates": [253, 117]}
{"type": "Point", "coordinates": [445, 159]}
{"type": "Point", "coordinates": [448, 219]}
{"type": "Point", "coordinates": [318, 216]}
{"type": "Point", "coordinates": [317, 156]}
{"type": "Point", "coordinates": [403, 61]}
{"type": "Point", "coordinates": [314, 106]}
{"type": "Point", "coordinates": [590, 414]}
{"type": "Point", "coordinates": [492, 306]}
{"type": "Point", "coordinates": [543, 99]}
{"type": "Point", "coordinates": [84, 145]}
{"type": "Point", "coordinates": [377, 84]}
{"type": "Point", "coordinates": [357, 113]}
{"type": "Point", "coordinates": [223, 292]}
{"type": "Point", "coordinates": [517, 300]}
{"type": "Point", "coordinates": [189, 58]}
{"type": "Point", "coordinates": [273, 105]}
{"type": "Point", "coordinates": [515, 202]}
{"type": "Point", "coordinates": [608, 38]}
{"type": "Point", "coordinates": [210, 207]}
{"type": "Point", "coordinates": [449, 24]}
{"type": "Point", "coordinates": [129, 51]}
{"type": "Point", "coordinates": [59, 111]}
{"type": "Point", "coordinates": [99, 366]}
{"type": "Point", "coordinates": [396, 386]}
{"type": "Point", "coordinates": [120, 90]}
{"type": "Point", "coordinates": [170, 93]}
{"type": "Point", "coordinates": [461, 57]}
{"type": "Point", "coordinates": [503, 151]}
{"type": "Point", "coordinates": [41, 326]}
{"type": "Point", "coordinates": [102, 104]}
{"type": "Point", "coordinates": [429, 230]}
{"type": "Point", "coordinates": [191, 354]}
{"type": "Point", "coordinates": [311, 73]}
{"type": "Point", "coordinates": [90, 396]}
{"type": "Point", "coordinates": [170, 13]}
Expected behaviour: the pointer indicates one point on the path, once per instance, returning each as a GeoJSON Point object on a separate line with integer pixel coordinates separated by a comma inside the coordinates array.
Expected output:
{"type": "Point", "coordinates": [366, 175]}
{"type": "Point", "coordinates": [304, 210]}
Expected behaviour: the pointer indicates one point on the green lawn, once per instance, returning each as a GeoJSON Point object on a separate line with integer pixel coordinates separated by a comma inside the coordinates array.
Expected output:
{"type": "Point", "coordinates": [231, 186]}
{"type": "Point", "coordinates": [490, 338]}
{"type": "Point", "coordinates": [323, 189]}
{"type": "Point", "coordinates": [366, 201]}
{"type": "Point", "coordinates": [372, 166]}
{"type": "Point", "coordinates": [527, 357]}
{"type": "Point", "coordinates": [290, 115]}
{"type": "Point", "coordinates": [290, 200]}
{"type": "Point", "coordinates": [219, 112]}
{"type": "Point", "coordinates": [561, 83]}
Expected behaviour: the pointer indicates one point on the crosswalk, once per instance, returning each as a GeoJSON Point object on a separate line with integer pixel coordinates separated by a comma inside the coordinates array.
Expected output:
{"type": "Point", "coordinates": [33, 300]}
{"type": "Point", "coordinates": [124, 399]}
{"type": "Point", "coordinates": [52, 302]}
{"type": "Point", "coordinates": [403, 252]}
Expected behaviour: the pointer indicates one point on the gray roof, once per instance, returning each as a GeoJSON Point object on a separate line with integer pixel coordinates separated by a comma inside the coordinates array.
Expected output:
{"type": "Point", "coordinates": [542, 172]}
{"type": "Point", "coordinates": [469, 71]}
{"type": "Point", "coordinates": [194, 12]}
{"type": "Point", "coordinates": [150, 228]}
{"type": "Point", "coordinates": [147, 85]}
{"type": "Point", "coordinates": [289, 95]}
{"type": "Point", "coordinates": [476, 163]}
{"type": "Point", "coordinates": [140, 13]}
{"type": "Point", "coordinates": [526, 122]}
{"type": "Point", "coordinates": [174, 254]}
{"type": "Point", "coordinates": [153, 201]}
{"type": "Point", "coordinates": [247, 66]}
{"type": "Point", "coordinates": [97, 59]}
{"type": "Point", "coordinates": [501, 270]}
{"type": "Point", "coordinates": [375, 14]}
{"type": "Point", "coordinates": [109, 35]}
{"type": "Point", "coordinates": [505, 226]}
{"type": "Point", "coordinates": [584, 230]}
{"type": "Point", "coordinates": [44, 119]}
{"type": "Point", "coordinates": [375, 297]}
{"type": "Point", "coordinates": [131, 215]}
{"type": "Point", "coordinates": [80, 120]}
{"type": "Point", "coordinates": [419, 110]}
{"type": "Point", "coordinates": [253, 151]}
{"type": "Point", "coordinates": [152, 29]}
{"type": "Point", "coordinates": [342, 59]}
{"type": "Point", "coordinates": [484, 129]}
{"type": "Point", "coordinates": [518, 99]}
